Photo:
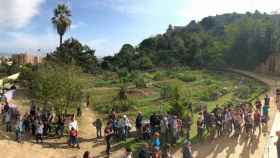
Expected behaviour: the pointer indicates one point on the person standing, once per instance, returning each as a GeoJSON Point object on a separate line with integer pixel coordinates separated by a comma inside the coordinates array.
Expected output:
{"type": "Point", "coordinates": [98, 125]}
{"type": "Point", "coordinates": [145, 152]}
{"type": "Point", "coordinates": [19, 130]}
{"type": "Point", "coordinates": [126, 126]}
{"type": "Point", "coordinates": [73, 123]}
{"type": "Point", "coordinates": [156, 141]}
{"type": "Point", "coordinates": [74, 138]}
{"type": "Point", "coordinates": [39, 132]}
{"type": "Point", "coordinates": [164, 129]}
{"type": "Point", "coordinates": [174, 129]}
{"type": "Point", "coordinates": [8, 119]}
{"type": "Point", "coordinates": [88, 101]}
{"type": "Point", "coordinates": [200, 127]}
{"type": "Point", "coordinates": [187, 152]}
{"type": "Point", "coordinates": [79, 111]}
{"type": "Point", "coordinates": [138, 124]}
{"type": "Point", "coordinates": [266, 100]}
{"type": "Point", "coordinates": [108, 131]}
{"type": "Point", "coordinates": [257, 120]}
{"type": "Point", "coordinates": [277, 144]}
{"type": "Point", "coordinates": [265, 113]}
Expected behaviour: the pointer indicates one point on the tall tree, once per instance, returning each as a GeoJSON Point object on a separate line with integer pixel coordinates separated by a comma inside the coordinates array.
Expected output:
{"type": "Point", "coordinates": [61, 20]}
{"type": "Point", "coordinates": [74, 52]}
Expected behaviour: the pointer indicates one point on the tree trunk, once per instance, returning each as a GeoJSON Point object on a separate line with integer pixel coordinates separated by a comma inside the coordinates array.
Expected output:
{"type": "Point", "coordinates": [60, 40]}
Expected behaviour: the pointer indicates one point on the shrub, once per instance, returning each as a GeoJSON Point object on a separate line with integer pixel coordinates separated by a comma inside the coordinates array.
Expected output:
{"type": "Point", "coordinates": [158, 76]}
{"type": "Point", "coordinates": [140, 83]}
{"type": "Point", "coordinates": [102, 83]}
{"type": "Point", "coordinates": [242, 92]}
{"type": "Point", "coordinates": [211, 93]}
{"type": "Point", "coordinates": [186, 77]}
{"type": "Point", "coordinates": [167, 92]}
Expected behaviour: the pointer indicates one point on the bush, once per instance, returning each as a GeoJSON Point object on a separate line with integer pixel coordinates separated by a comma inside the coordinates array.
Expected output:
{"type": "Point", "coordinates": [168, 92]}
{"type": "Point", "coordinates": [117, 105]}
{"type": "Point", "coordinates": [158, 76]}
{"type": "Point", "coordinates": [178, 108]}
{"type": "Point", "coordinates": [102, 83]}
{"type": "Point", "coordinates": [140, 83]}
{"type": "Point", "coordinates": [186, 77]}
{"type": "Point", "coordinates": [211, 93]}
{"type": "Point", "coordinates": [242, 92]}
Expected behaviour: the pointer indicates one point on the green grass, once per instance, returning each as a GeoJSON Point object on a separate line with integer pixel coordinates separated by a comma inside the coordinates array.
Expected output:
{"type": "Point", "coordinates": [194, 85]}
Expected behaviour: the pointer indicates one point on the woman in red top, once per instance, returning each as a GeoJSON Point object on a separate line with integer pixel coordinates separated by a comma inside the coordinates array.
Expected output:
{"type": "Point", "coordinates": [74, 138]}
{"type": "Point", "coordinates": [257, 120]}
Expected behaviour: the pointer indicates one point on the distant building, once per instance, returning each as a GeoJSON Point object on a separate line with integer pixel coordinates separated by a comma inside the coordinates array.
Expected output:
{"type": "Point", "coordinates": [26, 58]}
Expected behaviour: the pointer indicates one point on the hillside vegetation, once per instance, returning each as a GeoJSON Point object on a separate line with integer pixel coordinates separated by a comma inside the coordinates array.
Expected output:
{"type": "Point", "coordinates": [235, 40]}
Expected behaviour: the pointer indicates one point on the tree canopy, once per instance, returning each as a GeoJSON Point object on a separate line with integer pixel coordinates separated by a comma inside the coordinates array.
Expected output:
{"type": "Point", "coordinates": [57, 87]}
{"type": "Point", "coordinates": [61, 20]}
{"type": "Point", "coordinates": [73, 52]}
{"type": "Point", "coordinates": [235, 40]}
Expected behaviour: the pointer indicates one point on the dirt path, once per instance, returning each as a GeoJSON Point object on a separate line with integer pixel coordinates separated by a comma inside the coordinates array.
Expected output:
{"type": "Point", "coordinates": [241, 147]}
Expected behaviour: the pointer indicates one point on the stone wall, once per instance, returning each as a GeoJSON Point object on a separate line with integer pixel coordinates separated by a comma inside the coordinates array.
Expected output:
{"type": "Point", "coordinates": [271, 65]}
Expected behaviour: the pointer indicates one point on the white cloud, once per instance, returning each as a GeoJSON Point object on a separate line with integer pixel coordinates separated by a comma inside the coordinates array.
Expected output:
{"type": "Point", "coordinates": [131, 7]}
{"type": "Point", "coordinates": [15, 14]}
{"type": "Point", "coordinates": [197, 9]}
{"type": "Point", "coordinates": [77, 25]}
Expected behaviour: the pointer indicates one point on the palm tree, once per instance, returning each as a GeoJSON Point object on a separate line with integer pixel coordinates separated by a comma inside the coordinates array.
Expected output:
{"type": "Point", "coordinates": [61, 20]}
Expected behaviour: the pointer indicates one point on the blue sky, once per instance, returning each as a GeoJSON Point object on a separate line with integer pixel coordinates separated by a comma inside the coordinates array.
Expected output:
{"type": "Point", "coordinates": [105, 25]}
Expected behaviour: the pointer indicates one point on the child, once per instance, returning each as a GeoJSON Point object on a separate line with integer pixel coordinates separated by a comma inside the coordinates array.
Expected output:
{"type": "Point", "coordinates": [39, 132]}
{"type": "Point", "coordinates": [74, 138]}
{"type": "Point", "coordinates": [156, 141]}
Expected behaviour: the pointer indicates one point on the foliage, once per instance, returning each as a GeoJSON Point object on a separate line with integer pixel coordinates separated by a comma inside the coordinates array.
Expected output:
{"type": "Point", "coordinates": [26, 75]}
{"type": "Point", "coordinates": [235, 40]}
{"type": "Point", "coordinates": [57, 87]}
{"type": "Point", "coordinates": [73, 52]}
{"type": "Point", "coordinates": [61, 20]}
{"type": "Point", "coordinates": [243, 92]}
{"type": "Point", "coordinates": [178, 108]}
{"type": "Point", "coordinates": [122, 94]}
{"type": "Point", "coordinates": [158, 76]}
{"type": "Point", "coordinates": [169, 92]}
{"type": "Point", "coordinates": [186, 77]}
{"type": "Point", "coordinates": [140, 83]}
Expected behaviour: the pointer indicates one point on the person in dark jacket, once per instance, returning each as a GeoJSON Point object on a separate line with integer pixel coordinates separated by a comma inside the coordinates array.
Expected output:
{"type": "Point", "coordinates": [145, 152]}
{"type": "Point", "coordinates": [138, 124]}
{"type": "Point", "coordinates": [98, 125]}
{"type": "Point", "coordinates": [187, 153]}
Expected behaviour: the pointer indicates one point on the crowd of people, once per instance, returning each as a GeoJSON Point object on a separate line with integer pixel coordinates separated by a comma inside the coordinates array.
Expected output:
{"type": "Point", "coordinates": [163, 131]}
{"type": "Point", "coordinates": [39, 123]}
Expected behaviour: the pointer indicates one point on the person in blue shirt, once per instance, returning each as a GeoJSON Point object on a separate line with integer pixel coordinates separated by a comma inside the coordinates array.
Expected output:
{"type": "Point", "coordinates": [265, 113]}
{"type": "Point", "coordinates": [156, 141]}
